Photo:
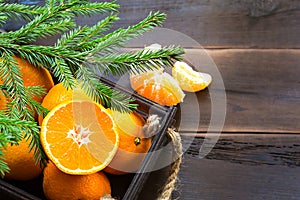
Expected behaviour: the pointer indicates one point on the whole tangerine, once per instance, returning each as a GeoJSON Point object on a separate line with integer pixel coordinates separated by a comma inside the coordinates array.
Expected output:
{"type": "Point", "coordinates": [21, 162]}
{"type": "Point", "coordinates": [59, 185]}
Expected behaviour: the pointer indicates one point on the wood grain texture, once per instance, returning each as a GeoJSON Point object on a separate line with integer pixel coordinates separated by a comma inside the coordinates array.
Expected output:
{"type": "Point", "coordinates": [224, 24]}
{"type": "Point", "coordinates": [213, 23]}
{"type": "Point", "coordinates": [262, 90]}
{"type": "Point", "coordinates": [213, 179]}
{"type": "Point", "coordinates": [242, 166]}
{"type": "Point", "coordinates": [247, 149]}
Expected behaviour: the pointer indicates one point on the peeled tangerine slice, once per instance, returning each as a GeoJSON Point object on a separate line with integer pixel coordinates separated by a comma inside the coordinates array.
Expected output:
{"type": "Point", "coordinates": [188, 79]}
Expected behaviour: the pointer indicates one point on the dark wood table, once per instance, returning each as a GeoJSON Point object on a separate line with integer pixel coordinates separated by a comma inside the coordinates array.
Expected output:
{"type": "Point", "coordinates": [254, 45]}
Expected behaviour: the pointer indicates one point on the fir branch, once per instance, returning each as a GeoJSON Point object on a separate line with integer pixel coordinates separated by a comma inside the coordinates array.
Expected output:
{"type": "Point", "coordinates": [13, 134]}
{"type": "Point", "coordinates": [103, 94]}
{"type": "Point", "coordinates": [76, 38]}
{"type": "Point", "coordinates": [36, 107]}
{"type": "Point", "coordinates": [56, 19]}
{"type": "Point", "coordinates": [33, 134]}
{"type": "Point", "coordinates": [18, 11]}
{"type": "Point", "coordinates": [50, 52]}
{"type": "Point", "coordinates": [63, 73]}
{"type": "Point", "coordinates": [14, 87]}
{"type": "Point", "coordinates": [137, 62]}
{"type": "Point", "coordinates": [58, 60]}
{"type": "Point", "coordinates": [15, 130]}
{"type": "Point", "coordinates": [72, 37]}
{"type": "Point", "coordinates": [119, 37]}
{"type": "Point", "coordinates": [35, 91]}
{"type": "Point", "coordinates": [88, 9]}
{"type": "Point", "coordinates": [46, 24]}
{"type": "Point", "coordinates": [4, 140]}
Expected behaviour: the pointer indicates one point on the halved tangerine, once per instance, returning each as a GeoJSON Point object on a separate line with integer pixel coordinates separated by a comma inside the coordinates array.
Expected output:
{"type": "Point", "coordinates": [158, 86]}
{"type": "Point", "coordinates": [79, 137]}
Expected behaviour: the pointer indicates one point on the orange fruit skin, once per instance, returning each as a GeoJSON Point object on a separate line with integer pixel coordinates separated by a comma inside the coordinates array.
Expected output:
{"type": "Point", "coordinates": [79, 137]}
{"type": "Point", "coordinates": [58, 185]}
{"type": "Point", "coordinates": [32, 76]}
{"type": "Point", "coordinates": [58, 94]}
{"type": "Point", "coordinates": [21, 162]}
{"type": "Point", "coordinates": [3, 100]}
{"type": "Point", "coordinates": [157, 86]}
{"type": "Point", "coordinates": [130, 154]}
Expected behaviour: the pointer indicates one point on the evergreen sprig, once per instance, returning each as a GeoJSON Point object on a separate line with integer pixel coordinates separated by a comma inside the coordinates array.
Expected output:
{"type": "Point", "coordinates": [14, 88]}
{"type": "Point", "coordinates": [12, 131]}
{"type": "Point", "coordinates": [77, 56]}
{"type": "Point", "coordinates": [118, 38]}
{"type": "Point", "coordinates": [18, 11]}
{"type": "Point", "coordinates": [136, 62]}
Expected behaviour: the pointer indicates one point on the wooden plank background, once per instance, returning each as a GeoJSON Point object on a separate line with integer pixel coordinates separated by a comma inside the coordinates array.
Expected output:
{"type": "Point", "coordinates": [262, 89]}
{"type": "Point", "coordinates": [242, 166]}
{"type": "Point", "coordinates": [215, 23]}
{"type": "Point", "coordinates": [255, 45]}
{"type": "Point", "coordinates": [222, 24]}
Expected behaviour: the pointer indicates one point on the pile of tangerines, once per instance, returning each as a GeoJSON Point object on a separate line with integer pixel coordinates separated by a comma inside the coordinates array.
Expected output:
{"type": "Point", "coordinates": [83, 140]}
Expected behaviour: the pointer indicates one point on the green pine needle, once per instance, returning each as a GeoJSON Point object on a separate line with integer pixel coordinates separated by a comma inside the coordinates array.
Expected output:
{"type": "Point", "coordinates": [102, 93]}
{"type": "Point", "coordinates": [77, 38]}
{"type": "Point", "coordinates": [109, 42]}
{"type": "Point", "coordinates": [12, 131]}
{"type": "Point", "coordinates": [137, 62]}
{"type": "Point", "coordinates": [18, 11]}
{"type": "Point", "coordinates": [4, 140]}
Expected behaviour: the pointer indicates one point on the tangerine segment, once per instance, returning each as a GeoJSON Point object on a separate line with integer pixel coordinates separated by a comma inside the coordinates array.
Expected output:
{"type": "Point", "coordinates": [142, 79]}
{"type": "Point", "coordinates": [79, 137]}
{"type": "Point", "coordinates": [188, 79]}
{"type": "Point", "coordinates": [158, 86]}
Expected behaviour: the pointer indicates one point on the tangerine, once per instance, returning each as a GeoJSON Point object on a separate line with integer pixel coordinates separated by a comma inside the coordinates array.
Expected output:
{"type": "Point", "coordinates": [133, 144]}
{"type": "Point", "coordinates": [59, 185]}
{"type": "Point", "coordinates": [21, 162]}
{"type": "Point", "coordinates": [32, 76]}
{"type": "Point", "coordinates": [58, 94]}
